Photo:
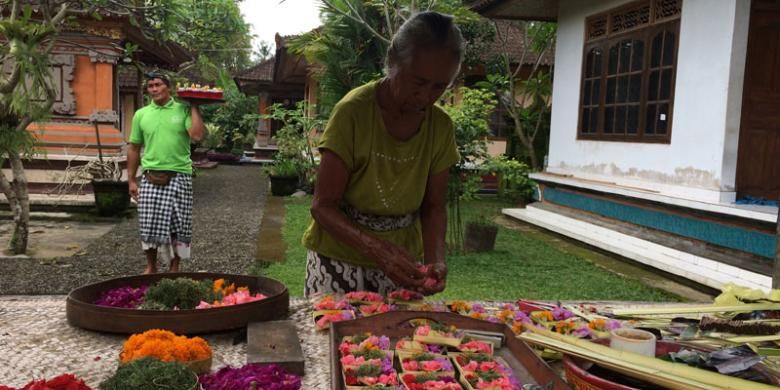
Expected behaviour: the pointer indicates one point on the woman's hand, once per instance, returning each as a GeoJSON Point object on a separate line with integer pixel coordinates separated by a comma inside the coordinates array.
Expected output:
{"type": "Point", "coordinates": [435, 279]}
{"type": "Point", "coordinates": [397, 264]}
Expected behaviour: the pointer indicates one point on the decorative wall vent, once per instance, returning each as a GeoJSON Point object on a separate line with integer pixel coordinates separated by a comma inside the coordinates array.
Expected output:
{"type": "Point", "coordinates": [630, 17]}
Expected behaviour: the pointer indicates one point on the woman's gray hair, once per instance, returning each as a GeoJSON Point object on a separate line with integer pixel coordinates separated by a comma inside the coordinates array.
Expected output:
{"type": "Point", "coordinates": [425, 30]}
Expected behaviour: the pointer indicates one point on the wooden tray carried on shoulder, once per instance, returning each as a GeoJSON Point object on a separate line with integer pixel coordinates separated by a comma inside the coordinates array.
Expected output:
{"type": "Point", "coordinates": [527, 366]}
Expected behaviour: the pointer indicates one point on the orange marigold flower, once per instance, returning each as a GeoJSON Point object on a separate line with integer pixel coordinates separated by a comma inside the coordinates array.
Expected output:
{"type": "Point", "coordinates": [165, 346]}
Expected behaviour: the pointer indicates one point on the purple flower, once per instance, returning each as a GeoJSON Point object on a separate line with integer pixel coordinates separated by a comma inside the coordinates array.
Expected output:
{"type": "Point", "coordinates": [613, 324]}
{"type": "Point", "coordinates": [446, 364]}
{"type": "Point", "coordinates": [266, 377]}
{"type": "Point", "coordinates": [347, 315]}
{"type": "Point", "coordinates": [477, 308]}
{"type": "Point", "coordinates": [384, 343]}
{"type": "Point", "coordinates": [123, 297]}
{"type": "Point", "coordinates": [387, 365]}
{"type": "Point", "coordinates": [493, 319]}
{"type": "Point", "coordinates": [582, 332]}
{"type": "Point", "coordinates": [437, 349]}
{"type": "Point", "coordinates": [520, 316]}
{"type": "Point", "coordinates": [560, 314]}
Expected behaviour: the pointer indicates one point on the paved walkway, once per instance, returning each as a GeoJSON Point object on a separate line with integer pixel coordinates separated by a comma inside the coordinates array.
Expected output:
{"type": "Point", "coordinates": [227, 211]}
{"type": "Point", "coordinates": [37, 342]}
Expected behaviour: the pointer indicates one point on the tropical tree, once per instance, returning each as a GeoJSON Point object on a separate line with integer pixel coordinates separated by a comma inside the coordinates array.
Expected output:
{"type": "Point", "coordinates": [26, 90]}
{"type": "Point", "coordinates": [351, 43]}
{"type": "Point", "coordinates": [526, 99]}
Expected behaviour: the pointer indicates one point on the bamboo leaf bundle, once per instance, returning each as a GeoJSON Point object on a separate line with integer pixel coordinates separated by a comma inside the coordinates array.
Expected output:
{"type": "Point", "coordinates": [671, 375]}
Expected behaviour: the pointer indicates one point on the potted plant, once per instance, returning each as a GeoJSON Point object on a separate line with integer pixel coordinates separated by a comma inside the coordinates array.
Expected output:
{"type": "Point", "coordinates": [284, 174]}
{"type": "Point", "coordinates": [296, 141]}
{"type": "Point", "coordinates": [512, 179]}
{"type": "Point", "coordinates": [480, 233]}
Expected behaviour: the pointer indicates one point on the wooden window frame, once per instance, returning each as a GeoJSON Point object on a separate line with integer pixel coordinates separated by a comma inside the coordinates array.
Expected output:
{"type": "Point", "coordinates": [605, 41]}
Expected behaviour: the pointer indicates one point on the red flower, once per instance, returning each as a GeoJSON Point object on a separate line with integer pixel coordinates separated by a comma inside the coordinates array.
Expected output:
{"type": "Point", "coordinates": [62, 382]}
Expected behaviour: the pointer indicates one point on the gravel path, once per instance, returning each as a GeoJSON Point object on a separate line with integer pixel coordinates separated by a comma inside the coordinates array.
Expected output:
{"type": "Point", "coordinates": [227, 211]}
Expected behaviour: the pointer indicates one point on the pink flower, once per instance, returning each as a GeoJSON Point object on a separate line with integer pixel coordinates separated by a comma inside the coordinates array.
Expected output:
{"type": "Point", "coordinates": [431, 365]}
{"type": "Point", "coordinates": [422, 330]}
{"type": "Point", "coordinates": [471, 366]}
{"type": "Point", "coordinates": [476, 346]}
{"type": "Point", "coordinates": [410, 365]}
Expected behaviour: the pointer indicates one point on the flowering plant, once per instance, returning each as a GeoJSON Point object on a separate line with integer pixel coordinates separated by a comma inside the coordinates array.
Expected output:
{"type": "Point", "coordinates": [404, 295]}
{"type": "Point", "coordinates": [165, 346]}
{"type": "Point", "coordinates": [476, 346]}
{"type": "Point", "coordinates": [364, 341]}
{"type": "Point", "coordinates": [272, 377]}
{"type": "Point", "coordinates": [323, 321]}
{"type": "Point", "coordinates": [427, 362]}
{"type": "Point", "coordinates": [375, 308]}
{"type": "Point", "coordinates": [560, 314]}
{"type": "Point", "coordinates": [565, 326]}
{"type": "Point", "coordinates": [223, 289]}
{"type": "Point", "coordinates": [459, 307]}
{"type": "Point", "coordinates": [370, 357]}
{"type": "Point", "coordinates": [429, 382]}
{"type": "Point", "coordinates": [371, 375]}
{"type": "Point", "coordinates": [125, 297]}
{"type": "Point", "coordinates": [329, 302]}
{"type": "Point", "coordinates": [61, 382]}
{"type": "Point", "coordinates": [492, 381]}
{"type": "Point", "coordinates": [235, 298]}
{"type": "Point", "coordinates": [597, 328]}
{"type": "Point", "coordinates": [408, 345]}
{"type": "Point", "coordinates": [363, 297]}
{"type": "Point", "coordinates": [470, 362]}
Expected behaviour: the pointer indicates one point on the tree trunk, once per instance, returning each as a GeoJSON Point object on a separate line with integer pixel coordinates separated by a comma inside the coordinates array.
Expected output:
{"type": "Point", "coordinates": [20, 207]}
{"type": "Point", "coordinates": [776, 276]}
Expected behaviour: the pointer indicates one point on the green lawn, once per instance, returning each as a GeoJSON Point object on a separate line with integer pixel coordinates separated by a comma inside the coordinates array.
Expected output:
{"type": "Point", "coordinates": [520, 267]}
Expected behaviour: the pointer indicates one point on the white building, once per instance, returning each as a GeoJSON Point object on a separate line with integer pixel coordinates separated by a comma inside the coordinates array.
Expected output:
{"type": "Point", "coordinates": [664, 113]}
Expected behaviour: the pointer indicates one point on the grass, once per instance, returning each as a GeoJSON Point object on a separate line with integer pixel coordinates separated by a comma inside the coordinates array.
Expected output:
{"type": "Point", "coordinates": [520, 267]}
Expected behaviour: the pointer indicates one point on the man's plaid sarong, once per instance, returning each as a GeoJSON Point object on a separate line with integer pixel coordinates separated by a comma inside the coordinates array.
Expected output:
{"type": "Point", "coordinates": [165, 216]}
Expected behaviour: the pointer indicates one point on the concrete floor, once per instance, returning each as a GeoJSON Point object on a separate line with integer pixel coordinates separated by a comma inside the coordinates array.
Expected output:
{"type": "Point", "coordinates": [52, 238]}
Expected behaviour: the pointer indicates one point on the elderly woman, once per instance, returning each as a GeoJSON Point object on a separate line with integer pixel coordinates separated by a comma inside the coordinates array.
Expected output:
{"type": "Point", "coordinates": [379, 207]}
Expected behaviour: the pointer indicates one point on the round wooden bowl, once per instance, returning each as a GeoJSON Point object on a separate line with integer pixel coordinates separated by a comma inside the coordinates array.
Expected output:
{"type": "Point", "coordinates": [83, 313]}
{"type": "Point", "coordinates": [581, 379]}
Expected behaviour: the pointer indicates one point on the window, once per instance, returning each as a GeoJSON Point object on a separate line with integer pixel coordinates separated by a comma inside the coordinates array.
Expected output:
{"type": "Point", "coordinates": [628, 72]}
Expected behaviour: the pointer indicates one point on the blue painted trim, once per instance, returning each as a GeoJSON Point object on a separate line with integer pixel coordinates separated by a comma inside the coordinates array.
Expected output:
{"type": "Point", "coordinates": [728, 236]}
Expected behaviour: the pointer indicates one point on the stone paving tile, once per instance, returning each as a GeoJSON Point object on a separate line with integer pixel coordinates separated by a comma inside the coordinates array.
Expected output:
{"type": "Point", "coordinates": [37, 342]}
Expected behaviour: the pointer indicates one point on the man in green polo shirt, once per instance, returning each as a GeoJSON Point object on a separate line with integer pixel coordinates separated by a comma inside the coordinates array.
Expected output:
{"type": "Point", "coordinates": [164, 129]}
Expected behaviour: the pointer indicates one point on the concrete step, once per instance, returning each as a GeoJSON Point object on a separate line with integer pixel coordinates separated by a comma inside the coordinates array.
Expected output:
{"type": "Point", "coordinates": [696, 268]}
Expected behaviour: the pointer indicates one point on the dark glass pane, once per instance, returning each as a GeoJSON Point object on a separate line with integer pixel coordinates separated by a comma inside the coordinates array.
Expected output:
{"type": "Point", "coordinates": [622, 89]}
{"type": "Point", "coordinates": [632, 122]}
{"type": "Point", "coordinates": [609, 118]}
{"type": "Point", "coordinates": [586, 93]}
{"type": "Point", "coordinates": [638, 55]}
{"type": "Point", "coordinates": [589, 64]}
{"type": "Point", "coordinates": [613, 59]}
{"type": "Point", "coordinates": [620, 119]}
{"type": "Point", "coordinates": [669, 43]}
{"type": "Point", "coordinates": [663, 118]}
{"type": "Point", "coordinates": [595, 99]}
{"type": "Point", "coordinates": [597, 65]}
{"type": "Point", "coordinates": [650, 122]}
{"type": "Point", "coordinates": [666, 84]}
{"type": "Point", "coordinates": [655, 54]}
{"type": "Point", "coordinates": [610, 90]}
{"type": "Point", "coordinates": [593, 119]}
{"type": "Point", "coordinates": [652, 86]}
{"type": "Point", "coordinates": [585, 120]}
{"type": "Point", "coordinates": [625, 55]}
{"type": "Point", "coordinates": [634, 87]}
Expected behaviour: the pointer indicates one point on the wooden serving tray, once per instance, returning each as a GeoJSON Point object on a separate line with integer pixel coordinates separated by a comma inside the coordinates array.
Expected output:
{"type": "Point", "coordinates": [527, 366]}
{"type": "Point", "coordinates": [201, 101]}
